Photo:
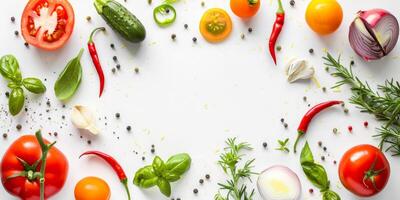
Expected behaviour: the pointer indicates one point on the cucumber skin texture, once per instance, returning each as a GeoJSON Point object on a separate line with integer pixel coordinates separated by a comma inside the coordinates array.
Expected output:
{"type": "Point", "coordinates": [123, 21]}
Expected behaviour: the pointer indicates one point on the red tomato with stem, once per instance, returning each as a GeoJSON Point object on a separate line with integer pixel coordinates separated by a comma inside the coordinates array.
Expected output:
{"type": "Point", "coordinates": [21, 164]}
{"type": "Point", "coordinates": [364, 170]}
{"type": "Point", "coordinates": [47, 24]}
{"type": "Point", "coordinates": [245, 8]}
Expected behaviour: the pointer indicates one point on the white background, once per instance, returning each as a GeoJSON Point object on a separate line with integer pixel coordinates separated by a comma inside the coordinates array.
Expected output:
{"type": "Point", "coordinates": [191, 97]}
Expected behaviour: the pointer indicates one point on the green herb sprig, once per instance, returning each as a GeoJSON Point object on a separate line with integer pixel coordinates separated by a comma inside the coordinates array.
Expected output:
{"type": "Point", "coordinates": [316, 174]}
{"type": "Point", "coordinates": [384, 105]}
{"type": "Point", "coordinates": [161, 173]}
{"type": "Point", "coordinates": [229, 161]}
{"type": "Point", "coordinates": [9, 69]}
{"type": "Point", "coordinates": [283, 145]}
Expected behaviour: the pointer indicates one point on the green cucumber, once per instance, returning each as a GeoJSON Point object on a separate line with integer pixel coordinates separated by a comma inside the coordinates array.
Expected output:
{"type": "Point", "coordinates": [121, 20]}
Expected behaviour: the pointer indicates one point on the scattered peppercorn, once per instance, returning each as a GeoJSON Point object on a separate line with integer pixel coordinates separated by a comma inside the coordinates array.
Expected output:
{"type": "Point", "coordinates": [13, 19]}
{"type": "Point", "coordinates": [19, 127]}
{"type": "Point", "coordinates": [48, 103]}
{"type": "Point", "coordinates": [311, 191]}
{"type": "Point", "coordinates": [143, 158]}
{"type": "Point", "coordinates": [342, 104]}
{"type": "Point", "coordinates": [173, 36]}
{"type": "Point", "coordinates": [350, 128]}
{"type": "Point", "coordinates": [292, 2]}
{"type": "Point", "coordinates": [149, 1]}
{"type": "Point", "coordinates": [327, 69]}
{"type": "Point", "coordinates": [311, 51]}
{"type": "Point", "coordinates": [201, 181]}
{"type": "Point", "coordinates": [88, 18]}
{"type": "Point", "coordinates": [282, 120]}
{"type": "Point", "coordinates": [242, 36]}
{"type": "Point", "coordinates": [129, 128]}
{"type": "Point", "coordinates": [285, 125]}
{"type": "Point", "coordinates": [118, 66]}
{"type": "Point", "coordinates": [153, 151]}
{"type": "Point", "coordinates": [324, 148]}
{"type": "Point", "coordinates": [195, 191]}
{"type": "Point", "coordinates": [137, 70]}
{"type": "Point", "coordinates": [319, 143]}
{"type": "Point", "coordinates": [323, 158]}
{"type": "Point", "coordinates": [194, 39]}
{"type": "Point", "coordinates": [352, 62]}
{"type": "Point", "coordinates": [16, 33]}
{"type": "Point", "coordinates": [115, 58]}
{"type": "Point", "coordinates": [265, 144]}
{"type": "Point", "coordinates": [346, 110]}
{"type": "Point", "coordinates": [278, 48]}
{"type": "Point", "coordinates": [112, 45]}
{"type": "Point", "coordinates": [5, 135]}
{"type": "Point", "coordinates": [365, 124]}
{"type": "Point", "coordinates": [203, 4]}
{"type": "Point", "coordinates": [55, 134]}
{"type": "Point", "coordinates": [335, 130]}
{"type": "Point", "coordinates": [207, 176]}
{"type": "Point", "coordinates": [113, 70]}
{"type": "Point", "coordinates": [304, 98]}
{"type": "Point", "coordinates": [324, 89]}
{"type": "Point", "coordinates": [186, 26]}
{"type": "Point", "coordinates": [117, 115]}
{"type": "Point", "coordinates": [7, 94]}
{"type": "Point", "coordinates": [26, 44]}
{"type": "Point", "coordinates": [89, 142]}
{"type": "Point", "coordinates": [334, 162]}
{"type": "Point", "coordinates": [250, 29]}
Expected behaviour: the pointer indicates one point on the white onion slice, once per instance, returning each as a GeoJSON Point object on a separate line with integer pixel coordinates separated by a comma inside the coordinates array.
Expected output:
{"type": "Point", "coordinates": [279, 183]}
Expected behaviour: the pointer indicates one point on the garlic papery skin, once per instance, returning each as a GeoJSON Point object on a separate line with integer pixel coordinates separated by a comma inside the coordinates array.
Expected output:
{"type": "Point", "coordinates": [83, 118]}
{"type": "Point", "coordinates": [298, 69]}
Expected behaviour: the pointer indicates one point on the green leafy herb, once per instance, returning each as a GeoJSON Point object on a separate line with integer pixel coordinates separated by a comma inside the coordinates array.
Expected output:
{"type": "Point", "coordinates": [69, 79]}
{"type": "Point", "coordinates": [283, 145]}
{"type": "Point", "coordinates": [9, 69]}
{"type": "Point", "coordinates": [229, 161]}
{"type": "Point", "coordinates": [316, 174]}
{"type": "Point", "coordinates": [384, 105]}
{"type": "Point", "coordinates": [162, 174]}
{"type": "Point", "coordinates": [170, 1]}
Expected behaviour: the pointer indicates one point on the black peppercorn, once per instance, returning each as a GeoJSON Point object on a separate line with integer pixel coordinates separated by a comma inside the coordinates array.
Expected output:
{"type": "Point", "coordinates": [207, 176]}
{"type": "Point", "coordinates": [352, 63]}
{"type": "Point", "coordinates": [195, 191]}
{"type": "Point", "coordinates": [128, 128]}
{"type": "Point", "coordinates": [112, 46]}
{"type": "Point", "coordinates": [319, 143]}
{"type": "Point", "coordinates": [5, 135]}
{"type": "Point", "coordinates": [153, 150]}
{"type": "Point", "coordinates": [194, 39]}
{"type": "Point", "coordinates": [115, 58]}
{"type": "Point", "coordinates": [265, 145]}
{"type": "Point", "coordinates": [113, 70]}
{"type": "Point", "coordinates": [118, 66]}
{"type": "Point", "coordinates": [16, 33]}
{"type": "Point", "coordinates": [250, 29]}
{"type": "Point", "coordinates": [324, 148]}
{"type": "Point", "coordinates": [19, 127]}
{"type": "Point", "coordinates": [323, 158]}
{"type": "Point", "coordinates": [292, 2]}
{"type": "Point", "coordinates": [311, 51]}
{"type": "Point", "coordinates": [117, 115]}
{"type": "Point", "coordinates": [173, 36]}
{"type": "Point", "coordinates": [201, 181]}
{"type": "Point", "coordinates": [186, 26]}
{"type": "Point", "coordinates": [13, 19]}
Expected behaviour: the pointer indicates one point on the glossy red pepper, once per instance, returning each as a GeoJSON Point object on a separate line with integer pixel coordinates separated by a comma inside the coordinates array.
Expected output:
{"type": "Point", "coordinates": [276, 30]}
{"type": "Point", "coordinates": [115, 165]}
{"type": "Point", "coordinates": [95, 58]}
{"type": "Point", "coordinates": [307, 118]}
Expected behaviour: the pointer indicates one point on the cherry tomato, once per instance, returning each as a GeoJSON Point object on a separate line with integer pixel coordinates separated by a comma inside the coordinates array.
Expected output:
{"type": "Point", "coordinates": [245, 8]}
{"type": "Point", "coordinates": [215, 25]}
{"type": "Point", "coordinates": [27, 149]}
{"type": "Point", "coordinates": [90, 188]}
{"type": "Point", "coordinates": [364, 170]}
{"type": "Point", "coordinates": [324, 16]}
{"type": "Point", "coordinates": [47, 24]}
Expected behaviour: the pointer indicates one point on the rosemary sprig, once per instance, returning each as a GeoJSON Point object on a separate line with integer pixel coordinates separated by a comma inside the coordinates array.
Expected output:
{"type": "Point", "coordinates": [384, 105]}
{"type": "Point", "coordinates": [229, 162]}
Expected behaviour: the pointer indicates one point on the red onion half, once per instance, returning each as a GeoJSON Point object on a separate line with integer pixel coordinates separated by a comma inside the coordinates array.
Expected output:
{"type": "Point", "coordinates": [374, 33]}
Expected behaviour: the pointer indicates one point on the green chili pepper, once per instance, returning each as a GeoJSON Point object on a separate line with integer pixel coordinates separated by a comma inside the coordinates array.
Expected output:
{"type": "Point", "coordinates": [164, 14]}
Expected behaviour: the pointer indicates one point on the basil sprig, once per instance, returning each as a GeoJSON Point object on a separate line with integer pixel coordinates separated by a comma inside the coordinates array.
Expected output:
{"type": "Point", "coordinates": [316, 174]}
{"type": "Point", "coordinates": [9, 69]}
{"type": "Point", "coordinates": [69, 79]}
{"type": "Point", "coordinates": [161, 173]}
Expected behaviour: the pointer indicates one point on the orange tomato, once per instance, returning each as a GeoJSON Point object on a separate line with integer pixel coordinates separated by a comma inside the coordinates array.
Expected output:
{"type": "Point", "coordinates": [90, 188]}
{"type": "Point", "coordinates": [324, 16]}
{"type": "Point", "coordinates": [245, 8]}
{"type": "Point", "coordinates": [215, 25]}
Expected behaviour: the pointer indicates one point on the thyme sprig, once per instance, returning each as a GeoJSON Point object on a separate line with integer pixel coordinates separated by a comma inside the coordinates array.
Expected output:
{"type": "Point", "coordinates": [384, 103]}
{"type": "Point", "coordinates": [229, 162]}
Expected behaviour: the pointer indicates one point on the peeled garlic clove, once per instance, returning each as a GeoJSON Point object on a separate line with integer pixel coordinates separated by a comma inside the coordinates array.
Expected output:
{"type": "Point", "coordinates": [298, 69]}
{"type": "Point", "coordinates": [83, 118]}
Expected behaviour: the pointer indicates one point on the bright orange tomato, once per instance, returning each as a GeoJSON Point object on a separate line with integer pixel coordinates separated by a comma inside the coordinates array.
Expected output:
{"type": "Point", "coordinates": [90, 188]}
{"type": "Point", "coordinates": [324, 16]}
{"type": "Point", "coordinates": [245, 8]}
{"type": "Point", "coordinates": [215, 25]}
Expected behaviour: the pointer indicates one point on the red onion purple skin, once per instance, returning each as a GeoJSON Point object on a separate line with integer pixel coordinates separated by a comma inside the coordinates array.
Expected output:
{"type": "Point", "coordinates": [367, 46]}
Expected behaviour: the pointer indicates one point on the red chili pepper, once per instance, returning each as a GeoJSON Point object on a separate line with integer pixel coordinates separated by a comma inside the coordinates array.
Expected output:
{"type": "Point", "coordinates": [95, 58]}
{"type": "Point", "coordinates": [307, 118]}
{"type": "Point", "coordinates": [115, 165]}
{"type": "Point", "coordinates": [276, 30]}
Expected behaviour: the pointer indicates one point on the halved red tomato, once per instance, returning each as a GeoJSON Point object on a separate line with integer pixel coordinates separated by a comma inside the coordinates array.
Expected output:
{"type": "Point", "coordinates": [47, 24]}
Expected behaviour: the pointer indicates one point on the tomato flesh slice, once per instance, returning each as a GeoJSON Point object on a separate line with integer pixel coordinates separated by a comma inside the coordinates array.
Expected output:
{"type": "Point", "coordinates": [47, 22]}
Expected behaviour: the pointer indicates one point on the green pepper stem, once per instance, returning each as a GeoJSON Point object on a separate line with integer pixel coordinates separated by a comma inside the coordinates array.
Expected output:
{"type": "Point", "coordinates": [125, 183]}
{"type": "Point", "coordinates": [299, 134]}
{"type": "Point", "coordinates": [45, 150]}
{"type": "Point", "coordinates": [280, 8]}
{"type": "Point", "coordinates": [93, 32]}
{"type": "Point", "coordinates": [253, 2]}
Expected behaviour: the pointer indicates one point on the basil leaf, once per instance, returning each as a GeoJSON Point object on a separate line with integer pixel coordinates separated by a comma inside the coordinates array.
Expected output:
{"type": "Point", "coordinates": [145, 177]}
{"type": "Point", "coordinates": [34, 85]}
{"type": "Point", "coordinates": [164, 187]}
{"type": "Point", "coordinates": [171, 177]}
{"type": "Point", "coordinates": [158, 165]}
{"type": "Point", "coordinates": [9, 68]}
{"type": "Point", "coordinates": [69, 79]}
{"type": "Point", "coordinates": [330, 195]}
{"type": "Point", "coordinates": [306, 154]}
{"type": "Point", "coordinates": [178, 164]}
{"type": "Point", "coordinates": [13, 85]}
{"type": "Point", "coordinates": [316, 174]}
{"type": "Point", "coordinates": [16, 101]}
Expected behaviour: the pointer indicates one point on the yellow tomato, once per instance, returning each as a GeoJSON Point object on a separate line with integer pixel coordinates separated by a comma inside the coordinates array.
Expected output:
{"type": "Point", "coordinates": [324, 16]}
{"type": "Point", "coordinates": [92, 188]}
{"type": "Point", "coordinates": [215, 25]}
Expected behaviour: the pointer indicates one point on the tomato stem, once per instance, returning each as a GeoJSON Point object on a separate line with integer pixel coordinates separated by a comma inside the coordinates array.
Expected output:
{"type": "Point", "coordinates": [253, 2]}
{"type": "Point", "coordinates": [45, 150]}
{"type": "Point", "coordinates": [371, 174]}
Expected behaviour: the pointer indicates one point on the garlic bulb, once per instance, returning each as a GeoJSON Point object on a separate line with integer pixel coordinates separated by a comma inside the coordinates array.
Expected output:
{"type": "Point", "coordinates": [83, 118]}
{"type": "Point", "coordinates": [298, 69]}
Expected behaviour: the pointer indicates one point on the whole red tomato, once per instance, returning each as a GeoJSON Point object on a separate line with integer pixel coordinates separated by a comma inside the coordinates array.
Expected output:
{"type": "Point", "coordinates": [27, 150]}
{"type": "Point", "coordinates": [364, 170]}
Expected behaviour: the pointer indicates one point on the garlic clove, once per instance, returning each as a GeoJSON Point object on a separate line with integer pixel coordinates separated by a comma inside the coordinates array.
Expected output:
{"type": "Point", "coordinates": [83, 118]}
{"type": "Point", "coordinates": [298, 69]}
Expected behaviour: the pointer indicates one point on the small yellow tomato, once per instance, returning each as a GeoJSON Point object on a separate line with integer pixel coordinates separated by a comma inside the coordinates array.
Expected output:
{"type": "Point", "coordinates": [215, 25]}
{"type": "Point", "coordinates": [324, 16]}
{"type": "Point", "coordinates": [92, 188]}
